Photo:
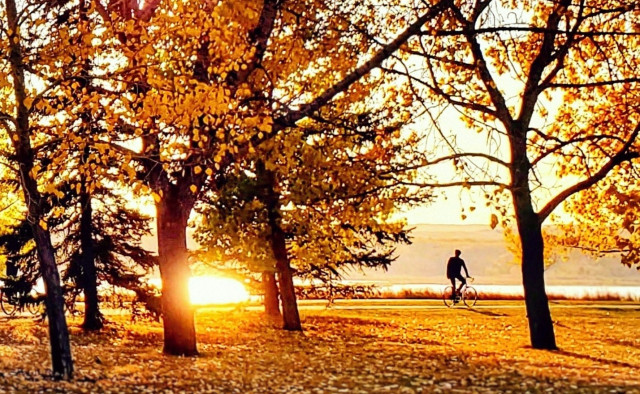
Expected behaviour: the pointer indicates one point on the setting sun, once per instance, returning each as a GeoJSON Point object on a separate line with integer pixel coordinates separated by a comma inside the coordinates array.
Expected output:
{"type": "Point", "coordinates": [204, 290]}
{"type": "Point", "coordinates": [210, 290]}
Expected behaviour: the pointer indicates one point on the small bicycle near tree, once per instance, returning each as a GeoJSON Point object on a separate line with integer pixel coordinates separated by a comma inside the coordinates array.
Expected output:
{"type": "Point", "coordinates": [12, 301]}
{"type": "Point", "coordinates": [468, 295]}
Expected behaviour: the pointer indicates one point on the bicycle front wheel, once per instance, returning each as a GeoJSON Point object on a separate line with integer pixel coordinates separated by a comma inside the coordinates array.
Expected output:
{"type": "Point", "coordinates": [447, 296]}
{"type": "Point", "coordinates": [470, 296]}
{"type": "Point", "coordinates": [8, 304]}
{"type": "Point", "coordinates": [36, 308]}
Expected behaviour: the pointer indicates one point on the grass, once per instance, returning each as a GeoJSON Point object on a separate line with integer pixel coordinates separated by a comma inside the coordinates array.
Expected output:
{"type": "Point", "coordinates": [431, 294]}
{"type": "Point", "coordinates": [396, 350]}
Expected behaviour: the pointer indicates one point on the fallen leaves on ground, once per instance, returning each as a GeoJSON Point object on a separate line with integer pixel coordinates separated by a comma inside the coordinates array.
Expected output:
{"type": "Point", "coordinates": [399, 351]}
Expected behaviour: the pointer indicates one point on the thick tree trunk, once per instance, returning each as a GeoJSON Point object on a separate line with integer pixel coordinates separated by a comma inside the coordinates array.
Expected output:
{"type": "Point", "coordinates": [290, 315]}
{"type": "Point", "coordinates": [530, 231]}
{"type": "Point", "coordinates": [177, 313]}
{"type": "Point", "coordinates": [540, 323]}
{"type": "Point", "coordinates": [61, 360]}
{"type": "Point", "coordinates": [21, 138]}
{"type": "Point", "coordinates": [92, 315]}
{"type": "Point", "coordinates": [271, 302]}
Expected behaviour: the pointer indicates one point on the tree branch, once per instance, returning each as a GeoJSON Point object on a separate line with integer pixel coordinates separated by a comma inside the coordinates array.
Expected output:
{"type": "Point", "coordinates": [260, 36]}
{"type": "Point", "coordinates": [456, 184]}
{"type": "Point", "coordinates": [622, 156]}
{"type": "Point", "coordinates": [376, 60]}
{"type": "Point", "coordinates": [467, 155]}
{"type": "Point", "coordinates": [593, 84]}
{"type": "Point", "coordinates": [498, 100]}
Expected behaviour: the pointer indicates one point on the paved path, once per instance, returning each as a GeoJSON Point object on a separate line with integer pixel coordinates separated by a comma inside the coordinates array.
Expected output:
{"type": "Point", "coordinates": [437, 304]}
{"type": "Point", "coordinates": [404, 304]}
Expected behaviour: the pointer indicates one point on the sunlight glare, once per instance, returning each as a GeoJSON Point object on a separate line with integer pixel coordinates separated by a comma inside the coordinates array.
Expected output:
{"type": "Point", "coordinates": [205, 290]}
{"type": "Point", "coordinates": [211, 290]}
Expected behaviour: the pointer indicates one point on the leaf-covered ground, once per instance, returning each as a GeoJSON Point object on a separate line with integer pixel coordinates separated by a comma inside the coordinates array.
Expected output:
{"type": "Point", "coordinates": [399, 351]}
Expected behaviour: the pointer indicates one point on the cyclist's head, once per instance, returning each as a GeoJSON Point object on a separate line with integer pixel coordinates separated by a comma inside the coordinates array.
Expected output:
{"type": "Point", "coordinates": [458, 253]}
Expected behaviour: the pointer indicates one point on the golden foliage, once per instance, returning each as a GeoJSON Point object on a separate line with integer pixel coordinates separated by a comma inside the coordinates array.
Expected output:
{"type": "Point", "coordinates": [375, 351]}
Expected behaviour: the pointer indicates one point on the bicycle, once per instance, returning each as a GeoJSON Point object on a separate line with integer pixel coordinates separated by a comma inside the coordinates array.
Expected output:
{"type": "Point", "coordinates": [12, 301]}
{"type": "Point", "coordinates": [468, 295]}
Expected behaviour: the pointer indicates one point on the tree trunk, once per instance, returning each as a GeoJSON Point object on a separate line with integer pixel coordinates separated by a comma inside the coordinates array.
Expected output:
{"type": "Point", "coordinates": [92, 315]}
{"type": "Point", "coordinates": [177, 313]}
{"type": "Point", "coordinates": [535, 295]}
{"type": "Point", "coordinates": [271, 303]}
{"type": "Point", "coordinates": [271, 198]}
{"type": "Point", "coordinates": [532, 244]}
{"type": "Point", "coordinates": [61, 360]}
{"type": "Point", "coordinates": [290, 315]}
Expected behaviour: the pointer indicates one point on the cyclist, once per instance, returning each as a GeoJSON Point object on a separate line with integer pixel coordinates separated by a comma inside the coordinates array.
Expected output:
{"type": "Point", "coordinates": [454, 271]}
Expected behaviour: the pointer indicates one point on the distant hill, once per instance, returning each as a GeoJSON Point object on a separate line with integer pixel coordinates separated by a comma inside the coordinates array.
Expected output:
{"type": "Point", "coordinates": [489, 261]}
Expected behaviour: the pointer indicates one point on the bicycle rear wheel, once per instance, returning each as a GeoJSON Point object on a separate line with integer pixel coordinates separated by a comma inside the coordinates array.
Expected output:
{"type": "Point", "coordinates": [470, 296]}
{"type": "Point", "coordinates": [8, 304]}
{"type": "Point", "coordinates": [447, 296]}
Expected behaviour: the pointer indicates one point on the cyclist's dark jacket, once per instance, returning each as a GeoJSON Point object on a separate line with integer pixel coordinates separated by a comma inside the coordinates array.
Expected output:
{"type": "Point", "coordinates": [454, 267]}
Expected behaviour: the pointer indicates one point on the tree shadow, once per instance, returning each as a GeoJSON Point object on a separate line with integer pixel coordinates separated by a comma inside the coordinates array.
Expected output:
{"type": "Point", "coordinates": [600, 360]}
{"type": "Point", "coordinates": [617, 310]}
{"type": "Point", "coordinates": [623, 343]}
{"type": "Point", "coordinates": [487, 313]}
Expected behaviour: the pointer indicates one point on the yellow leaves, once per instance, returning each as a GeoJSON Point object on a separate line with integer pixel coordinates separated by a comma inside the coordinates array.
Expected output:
{"type": "Point", "coordinates": [43, 224]}
{"type": "Point", "coordinates": [192, 31]}
{"type": "Point", "coordinates": [494, 221]}
{"type": "Point", "coordinates": [197, 170]}
{"type": "Point", "coordinates": [35, 171]}
{"type": "Point", "coordinates": [156, 197]}
{"type": "Point", "coordinates": [28, 102]}
{"type": "Point", "coordinates": [377, 352]}
{"type": "Point", "coordinates": [193, 188]}
{"type": "Point", "coordinates": [57, 212]}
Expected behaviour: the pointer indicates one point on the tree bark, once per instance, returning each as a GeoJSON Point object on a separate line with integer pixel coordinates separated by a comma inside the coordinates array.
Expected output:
{"type": "Point", "coordinates": [290, 315]}
{"type": "Point", "coordinates": [535, 295]}
{"type": "Point", "coordinates": [92, 315]}
{"type": "Point", "coordinates": [271, 199]}
{"type": "Point", "coordinates": [271, 302]}
{"type": "Point", "coordinates": [62, 362]}
{"type": "Point", "coordinates": [177, 313]}
{"type": "Point", "coordinates": [61, 359]}
{"type": "Point", "coordinates": [532, 243]}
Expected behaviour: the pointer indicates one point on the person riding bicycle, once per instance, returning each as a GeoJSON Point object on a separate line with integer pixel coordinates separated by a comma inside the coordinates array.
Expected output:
{"type": "Point", "coordinates": [454, 271]}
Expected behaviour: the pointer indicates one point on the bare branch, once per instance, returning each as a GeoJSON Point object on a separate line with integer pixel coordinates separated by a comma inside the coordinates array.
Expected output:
{"type": "Point", "coordinates": [468, 155]}
{"type": "Point", "coordinates": [593, 84]}
{"type": "Point", "coordinates": [456, 184]}
{"type": "Point", "coordinates": [441, 93]}
{"type": "Point", "coordinates": [498, 100]}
